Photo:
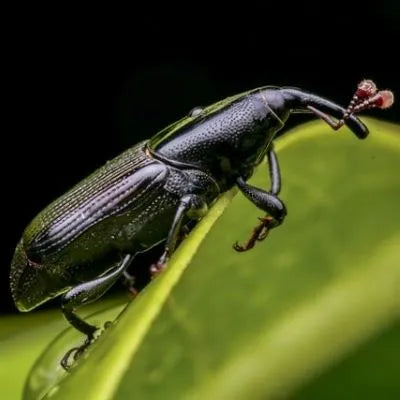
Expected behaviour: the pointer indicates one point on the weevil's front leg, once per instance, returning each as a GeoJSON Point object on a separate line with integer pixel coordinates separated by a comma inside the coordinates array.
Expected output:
{"type": "Point", "coordinates": [83, 294]}
{"type": "Point", "coordinates": [191, 205]}
{"type": "Point", "coordinates": [274, 172]}
{"type": "Point", "coordinates": [266, 201]}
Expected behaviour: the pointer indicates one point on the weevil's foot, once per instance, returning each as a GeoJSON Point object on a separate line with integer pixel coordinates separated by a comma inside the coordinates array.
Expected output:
{"type": "Point", "coordinates": [239, 248]}
{"type": "Point", "coordinates": [65, 360]}
{"type": "Point", "coordinates": [160, 265]}
{"type": "Point", "coordinates": [133, 292]}
{"type": "Point", "coordinates": [266, 224]}
{"type": "Point", "coordinates": [156, 269]}
{"type": "Point", "coordinates": [75, 353]}
{"type": "Point", "coordinates": [108, 324]}
{"type": "Point", "coordinates": [260, 232]}
{"type": "Point", "coordinates": [129, 281]}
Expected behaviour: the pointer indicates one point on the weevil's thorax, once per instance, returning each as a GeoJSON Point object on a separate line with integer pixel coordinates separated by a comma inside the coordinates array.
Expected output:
{"type": "Point", "coordinates": [226, 139]}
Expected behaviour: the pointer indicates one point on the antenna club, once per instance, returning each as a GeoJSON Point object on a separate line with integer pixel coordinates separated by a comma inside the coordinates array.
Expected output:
{"type": "Point", "coordinates": [365, 89]}
{"type": "Point", "coordinates": [385, 99]}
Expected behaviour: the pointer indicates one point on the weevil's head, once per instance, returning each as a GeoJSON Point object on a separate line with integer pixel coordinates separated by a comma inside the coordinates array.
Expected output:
{"type": "Point", "coordinates": [276, 103]}
{"type": "Point", "coordinates": [287, 100]}
{"type": "Point", "coordinates": [301, 101]}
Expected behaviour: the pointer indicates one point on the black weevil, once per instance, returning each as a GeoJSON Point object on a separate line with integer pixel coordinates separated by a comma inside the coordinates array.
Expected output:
{"type": "Point", "coordinates": [84, 241]}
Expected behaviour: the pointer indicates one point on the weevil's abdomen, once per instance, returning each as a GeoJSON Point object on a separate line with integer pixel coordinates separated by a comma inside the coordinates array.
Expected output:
{"type": "Point", "coordinates": [84, 233]}
{"type": "Point", "coordinates": [33, 283]}
{"type": "Point", "coordinates": [106, 191]}
{"type": "Point", "coordinates": [30, 284]}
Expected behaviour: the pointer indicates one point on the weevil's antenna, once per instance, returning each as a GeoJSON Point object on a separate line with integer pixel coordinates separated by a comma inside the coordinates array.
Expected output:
{"type": "Point", "coordinates": [365, 89]}
{"type": "Point", "coordinates": [383, 99]}
{"type": "Point", "coordinates": [300, 102]}
{"type": "Point", "coordinates": [364, 98]}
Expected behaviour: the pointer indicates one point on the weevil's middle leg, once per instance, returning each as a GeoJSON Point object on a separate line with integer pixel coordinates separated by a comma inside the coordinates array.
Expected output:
{"type": "Point", "coordinates": [83, 294]}
{"type": "Point", "coordinates": [191, 205]}
{"type": "Point", "coordinates": [129, 282]}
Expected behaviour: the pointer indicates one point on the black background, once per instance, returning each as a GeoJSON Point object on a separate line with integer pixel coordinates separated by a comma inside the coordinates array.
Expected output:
{"type": "Point", "coordinates": [82, 85]}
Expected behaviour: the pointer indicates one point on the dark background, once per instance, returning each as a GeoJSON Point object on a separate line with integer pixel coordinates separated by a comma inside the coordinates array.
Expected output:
{"type": "Point", "coordinates": [86, 84]}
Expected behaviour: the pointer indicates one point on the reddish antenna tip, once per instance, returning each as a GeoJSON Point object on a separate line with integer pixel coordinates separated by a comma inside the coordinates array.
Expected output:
{"type": "Point", "coordinates": [365, 89]}
{"type": "Point", "coordinates": [385, 99]}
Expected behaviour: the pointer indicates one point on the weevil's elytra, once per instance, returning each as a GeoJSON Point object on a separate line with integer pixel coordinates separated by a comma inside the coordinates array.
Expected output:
{"type": "Point", "coordinates": [83, 242]}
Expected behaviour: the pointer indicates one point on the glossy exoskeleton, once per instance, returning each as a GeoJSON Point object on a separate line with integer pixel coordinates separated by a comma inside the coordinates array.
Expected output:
{"type": "Point", "coordinates": [83, 242]}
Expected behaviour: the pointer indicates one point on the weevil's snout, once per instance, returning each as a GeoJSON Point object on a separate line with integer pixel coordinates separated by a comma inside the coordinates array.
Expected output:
{"type": "Point", "coordinates": [366, 96]}
{"type": "Point", "coordinates": [300, 101]}
{"type": "Point", "coordinates": [28, 287]}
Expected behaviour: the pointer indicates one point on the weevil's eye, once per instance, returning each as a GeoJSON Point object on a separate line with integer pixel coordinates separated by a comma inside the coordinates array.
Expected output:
{"type": "Point", "coordinates": [195, 112]}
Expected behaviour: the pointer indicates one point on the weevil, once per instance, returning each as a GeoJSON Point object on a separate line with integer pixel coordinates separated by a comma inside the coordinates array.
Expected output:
{"type": "Point", "coordinates": [83, 242]}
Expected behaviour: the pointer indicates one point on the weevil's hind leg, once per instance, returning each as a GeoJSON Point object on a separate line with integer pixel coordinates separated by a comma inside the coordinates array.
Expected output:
{"type": "Point", "coordinates": [83, 294]}
{"type": "Point", "coordinates": [266, 201]}
{"type": "Point", "coordinates": [190, 204]}
{"type": "Point", "coordinates": [88, 292]}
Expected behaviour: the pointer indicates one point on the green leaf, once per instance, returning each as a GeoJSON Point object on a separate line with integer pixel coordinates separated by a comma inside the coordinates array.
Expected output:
{"type": "Point", "coordinates": [222, 325]}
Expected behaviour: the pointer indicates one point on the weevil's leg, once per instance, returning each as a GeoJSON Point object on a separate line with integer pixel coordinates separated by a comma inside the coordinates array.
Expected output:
{"type": "Point", "coordinates": [269, 203]}
{"type": "Point", "coordinates": [274, 172]}
{"type": "Point", "coordinates": [260, 232]}
{"type": "Point", "coordinates": [191, 205]}
{"type": "Point", "coordinates": [129, 282]}
{"type": "Point", "coordinates": [83, 294]}
{"type": "Point", "coordinates": [88, 292]}
{"type": "Point", "coordinates": [266, 201]}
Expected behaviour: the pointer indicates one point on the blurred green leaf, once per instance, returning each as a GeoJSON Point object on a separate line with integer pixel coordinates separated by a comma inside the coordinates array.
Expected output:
{"type": "Point", "coordinates": [25, 337]}
{"type": "Point", "coordinates": [263, 323]}
{"type": "Point", "coordinates": [370, 372]}
{"type": "Point", "coordinates": [22, 339]}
